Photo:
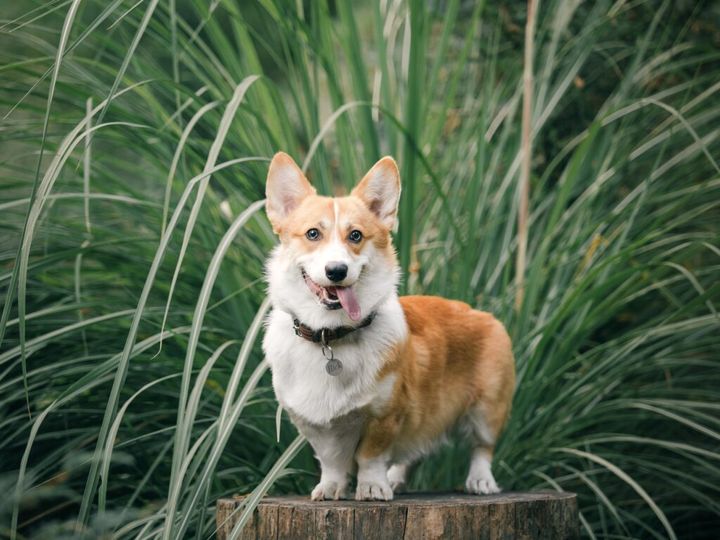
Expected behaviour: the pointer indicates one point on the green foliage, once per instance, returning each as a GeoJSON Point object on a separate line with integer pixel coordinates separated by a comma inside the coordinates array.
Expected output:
{"type": "Point", "coordinates": [135, 141]}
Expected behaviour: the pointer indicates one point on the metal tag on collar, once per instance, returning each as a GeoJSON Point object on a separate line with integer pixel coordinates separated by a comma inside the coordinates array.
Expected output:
{"type": "Point", "coordinates": [334, 365]}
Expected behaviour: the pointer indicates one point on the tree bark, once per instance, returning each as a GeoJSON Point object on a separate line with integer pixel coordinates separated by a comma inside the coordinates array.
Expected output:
{"type": "Point", "coordinates": [546, 515]}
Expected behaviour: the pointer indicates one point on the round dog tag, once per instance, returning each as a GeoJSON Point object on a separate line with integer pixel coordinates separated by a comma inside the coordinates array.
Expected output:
{"type": "Point", "coordinates": [333, 367]}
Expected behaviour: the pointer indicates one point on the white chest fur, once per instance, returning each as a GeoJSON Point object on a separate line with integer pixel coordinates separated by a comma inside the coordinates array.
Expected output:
{"type": "Point", "coordinates": [303, 386]}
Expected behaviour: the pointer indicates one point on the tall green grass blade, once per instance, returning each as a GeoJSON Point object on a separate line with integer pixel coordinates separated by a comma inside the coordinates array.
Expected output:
{"type": "Point", "coordinates": [624, 476]}
{"type": "Point", "coordinates": [17, 278]}
{"type": "Point", "coordinates": [413, 108]}
{"type": "Point", "coordinates": [181, 440]}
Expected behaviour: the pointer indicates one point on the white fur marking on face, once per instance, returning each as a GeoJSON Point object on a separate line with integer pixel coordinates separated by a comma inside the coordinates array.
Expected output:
{"type": "Point", "coordinates": [336, 210]}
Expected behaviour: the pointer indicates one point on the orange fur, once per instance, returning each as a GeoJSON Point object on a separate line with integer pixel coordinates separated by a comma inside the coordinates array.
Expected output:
{"type": "Point", "coordinates": [455, 358]}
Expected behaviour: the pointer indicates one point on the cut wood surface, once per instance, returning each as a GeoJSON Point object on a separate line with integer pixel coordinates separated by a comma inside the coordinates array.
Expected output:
{"type": "Point", "coordinates": [542, 514]}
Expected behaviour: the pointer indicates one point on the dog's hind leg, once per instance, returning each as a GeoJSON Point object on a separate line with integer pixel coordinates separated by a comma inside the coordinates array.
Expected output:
{"type": "Point", "coordinates": [495, 382]}
{"type": "Point", "coordinates": [483, 433]}
{"type": "Point", "coordinates": [397, 476]}
{"type": "Point", "coordinates": [480, 479]}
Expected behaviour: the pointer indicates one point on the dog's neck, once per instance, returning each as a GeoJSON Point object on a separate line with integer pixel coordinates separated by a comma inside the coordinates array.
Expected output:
{"type": "Point", "coordinates": [326, 335]}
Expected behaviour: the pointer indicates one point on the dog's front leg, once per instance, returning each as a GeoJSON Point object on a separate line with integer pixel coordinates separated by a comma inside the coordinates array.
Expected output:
{"type": "Point", "coordinates": [334, 447]}
{"type": "Point", "coordinates": [335, 465]}
{"type": "Point", "coordinates": [373, 459]}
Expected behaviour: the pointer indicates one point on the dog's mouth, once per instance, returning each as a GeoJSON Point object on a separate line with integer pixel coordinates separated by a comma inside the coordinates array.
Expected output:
{"type": "Point", "coordinates": [335, 297]}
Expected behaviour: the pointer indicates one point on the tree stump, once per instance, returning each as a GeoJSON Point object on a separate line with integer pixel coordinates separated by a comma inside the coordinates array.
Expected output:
{"type": "Point", "coordinates": [542, 514]}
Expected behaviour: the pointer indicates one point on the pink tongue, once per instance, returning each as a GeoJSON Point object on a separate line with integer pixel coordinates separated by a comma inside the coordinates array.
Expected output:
{"type": "Point", "coordinates": [349, 302]}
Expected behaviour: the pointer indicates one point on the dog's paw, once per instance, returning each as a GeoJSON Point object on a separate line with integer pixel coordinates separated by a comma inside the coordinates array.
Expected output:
{"type": "Point", "coordinates": [329, 491]}
{"type": "Point", "coordinates": [481, 485]}
{"type": "Point", "coordinates": [397, 477]}
{"type": "Point", "coordinates": [373, 491]}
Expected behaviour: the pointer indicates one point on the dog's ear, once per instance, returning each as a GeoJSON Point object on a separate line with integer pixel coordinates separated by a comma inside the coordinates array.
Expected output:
{"type": "Point", "coordinates": [380, 190]}
{"type": "Point", "coordinates": [285, 189]}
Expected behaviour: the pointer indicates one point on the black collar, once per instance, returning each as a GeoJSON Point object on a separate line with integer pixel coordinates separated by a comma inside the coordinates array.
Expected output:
{"type": "Point", "coordinates": [326, 335]}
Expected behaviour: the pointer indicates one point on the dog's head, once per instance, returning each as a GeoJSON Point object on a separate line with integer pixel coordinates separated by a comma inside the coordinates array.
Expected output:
{"type": "Point", "coordinates": [335, 260]}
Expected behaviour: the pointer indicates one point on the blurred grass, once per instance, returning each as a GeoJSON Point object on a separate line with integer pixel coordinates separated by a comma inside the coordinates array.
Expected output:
{"type": "Point", "coordinates": [132, 392]}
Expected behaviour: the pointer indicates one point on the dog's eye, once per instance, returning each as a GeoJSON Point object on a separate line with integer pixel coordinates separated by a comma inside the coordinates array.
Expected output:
{"type": "Point", "coordinates": [312, 234]}
{"type": "Point", "coordinates": [355, 236]}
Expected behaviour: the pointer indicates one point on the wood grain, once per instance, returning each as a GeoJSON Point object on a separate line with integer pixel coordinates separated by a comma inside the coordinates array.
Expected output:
{"type": "Point", "coordinates": [528, 516]}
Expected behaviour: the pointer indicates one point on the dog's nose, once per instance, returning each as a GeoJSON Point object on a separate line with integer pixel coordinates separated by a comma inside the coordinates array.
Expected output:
{"type": "Point", "coordinates": [336, 271]}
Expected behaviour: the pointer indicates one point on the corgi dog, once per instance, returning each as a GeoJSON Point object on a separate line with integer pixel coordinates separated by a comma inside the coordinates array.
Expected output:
{"type": "Point", "coordinates": [373, 380]}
